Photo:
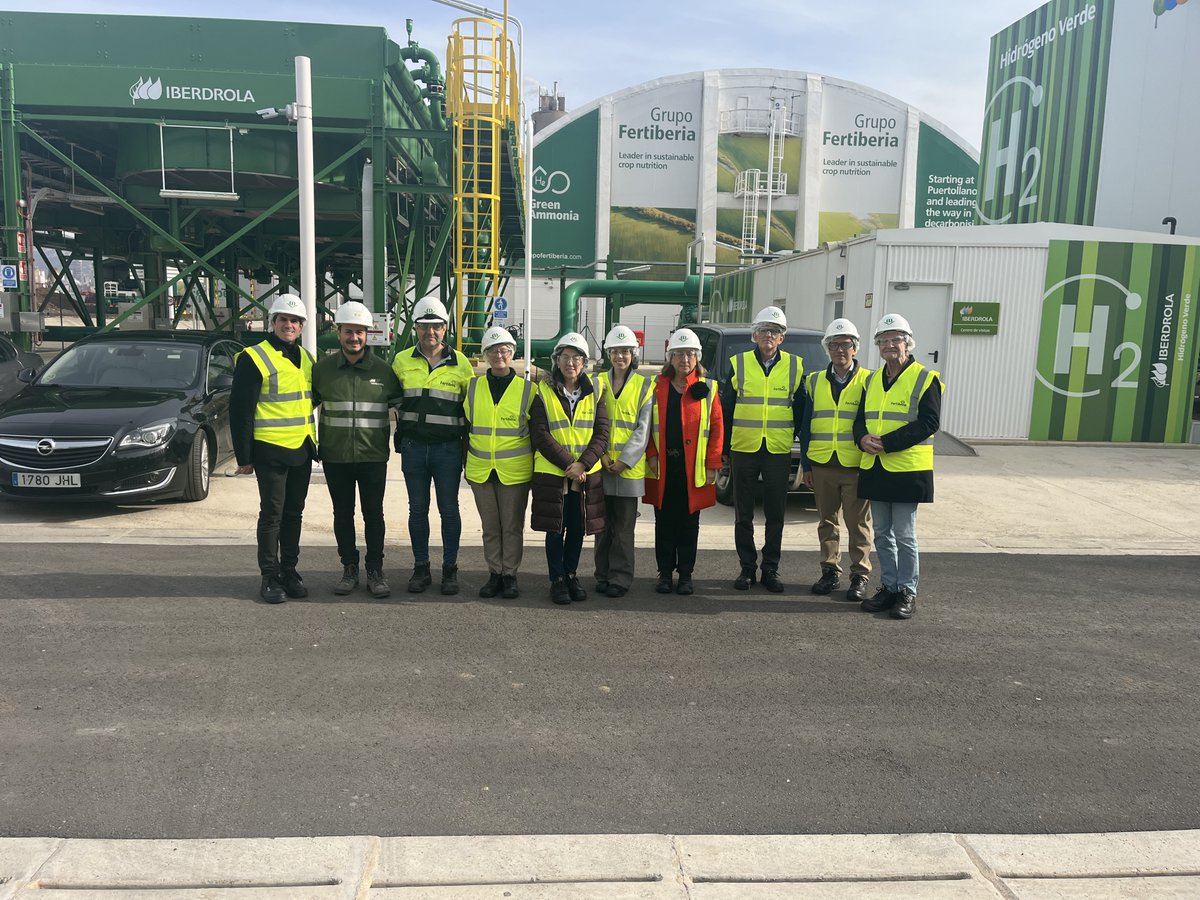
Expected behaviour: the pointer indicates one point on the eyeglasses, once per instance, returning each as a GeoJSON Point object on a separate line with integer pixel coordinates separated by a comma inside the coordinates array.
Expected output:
{"type": "Point", "coordinates": [842, 345]}
{"type": "Point", "coordinates": [430, 326]}
{"type": "Point", "coordinates": [891, 342]}
{"type": "Point", "coordinates": [502, 350]}
{"type": "Point", "coordinates": [769, 332]}
{"type": "Point", "coordinates": [690, 354]}
{"type": "Point", "coordinates": [571, 359]}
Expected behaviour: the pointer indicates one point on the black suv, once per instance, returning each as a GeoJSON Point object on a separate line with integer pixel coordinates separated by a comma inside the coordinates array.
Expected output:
{"type": "Point", "coordinates": [719, 342]}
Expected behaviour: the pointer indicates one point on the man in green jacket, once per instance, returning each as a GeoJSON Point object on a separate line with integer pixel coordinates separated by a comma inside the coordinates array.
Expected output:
{"type": "Point", "coordinates": [355, 389]}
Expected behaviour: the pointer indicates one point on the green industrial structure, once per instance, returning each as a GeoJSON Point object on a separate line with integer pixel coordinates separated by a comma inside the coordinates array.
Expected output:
{"type": "Point", "coordinates": [139, 145]}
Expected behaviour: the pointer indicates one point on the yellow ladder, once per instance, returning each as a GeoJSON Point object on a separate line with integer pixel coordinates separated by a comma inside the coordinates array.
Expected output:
{"type": "Point", "coordinates": [482, 96]}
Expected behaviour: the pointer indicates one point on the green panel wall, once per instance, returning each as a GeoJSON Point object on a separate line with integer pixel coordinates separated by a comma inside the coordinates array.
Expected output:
{"type": "Point", "coordinates": [1117, 351]}
{"type": "Point", "coordinates": [1044, 120]}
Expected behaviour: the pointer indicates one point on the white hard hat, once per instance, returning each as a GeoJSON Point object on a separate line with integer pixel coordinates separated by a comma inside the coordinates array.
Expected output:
{"type": "Point", "coordinates": [840, 328]}
{"type": "Point", "coordinates": [621, 336]}
{"type": "Point", "coordinates": [496, 335]}
{"type": "Point", "coordinates": [575, 341]}
{"type": "Point", "coordinates": [893, 322]}
{"type": "Point", "coordinates": [771, 315]}
{"type": "Point", "coordinates": [683, 339]}
{"type": "Point", "coordinates": [289, 305]}
{"type": "Point", "coordinates": [430, 309]}
{"type": "Point", "coordinates": [353, 313]}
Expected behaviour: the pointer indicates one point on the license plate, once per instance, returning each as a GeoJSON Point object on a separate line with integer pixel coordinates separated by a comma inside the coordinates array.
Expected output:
{"type": "Point", "coordinates": [48, 480]}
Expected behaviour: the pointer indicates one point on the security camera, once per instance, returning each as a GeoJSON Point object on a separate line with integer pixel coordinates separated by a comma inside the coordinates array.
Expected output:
{"type": "Point", "coordinates": [269, 113]}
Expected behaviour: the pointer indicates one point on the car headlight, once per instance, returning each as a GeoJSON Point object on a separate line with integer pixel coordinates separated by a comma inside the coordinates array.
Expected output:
{"type": "Point", "coordinates": [154, 435]}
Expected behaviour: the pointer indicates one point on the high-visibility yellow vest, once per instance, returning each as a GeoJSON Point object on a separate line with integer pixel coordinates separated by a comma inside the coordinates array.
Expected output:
{"type": "Point", "coordinates": [623, 415]}
{"type": "Point", "coordinates": [885, 411]}
{"type": "Point", "coordinates": [284, 415]}
{"type": "Point", "coordinates": [499, 434]}
{"type": "Point", "coordinates": [763, 409]}
{"type": "Point", "coordinates": [573, 434]}
{"type": "Point", "coordinates": [833, 421]}
{"type": "Point", "coordinates": [431, 405]}
{"type": "Point", "coordinates": [700, 475]}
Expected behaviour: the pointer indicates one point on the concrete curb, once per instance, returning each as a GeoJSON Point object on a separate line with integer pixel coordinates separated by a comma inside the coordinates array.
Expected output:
{"type": "Point", "coordinates": [612, 867]}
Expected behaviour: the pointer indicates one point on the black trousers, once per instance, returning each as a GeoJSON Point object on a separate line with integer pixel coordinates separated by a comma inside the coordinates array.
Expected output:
{"type": "Point", "coordinates": [746, 468]}
{"type": "Point", "coordinates": [370, 480]}
{"type": "Point", "coordinates": [676, 530]}
{"type": "Point", "coordinates": [563, 548]}
{"type": "Point", "coordinates": [282, 491]}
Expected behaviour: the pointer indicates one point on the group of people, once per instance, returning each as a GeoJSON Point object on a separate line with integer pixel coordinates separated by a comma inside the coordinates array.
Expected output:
{"type": "Point", "coordinates": [579, 453]}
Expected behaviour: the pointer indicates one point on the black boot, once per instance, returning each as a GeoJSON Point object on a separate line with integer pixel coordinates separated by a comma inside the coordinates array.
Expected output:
{"type": "Point", "coordinates": [685, 586]}
{"type": "Point", "coordinates": [828, 581]}
{"type": "Point", "coordinates": [559, 593]}
{"type": "Point", "coordinates": [349, 580]}
{"type": "Point", "coordinates": [509, 589]}
{"type": "Point", "coordinates": [420, 578]}
{"type": "Point", "coordinates": [857, 592]}
{"type": "Point", "coordinates": [271, 591]}
{"type": "Point", "coordinates": [744, 579]}
{"type": "Point", "coordinates": [883, 599]}
{"type": "Point", "coordinates": [449, 580]}
{"type": "Point", "coordinates": [665, 583]}
{"type": "Point", "coordinates": [575, 589]}
{"type": "Point", "coordinates": [493, 586]}
{"type": "Point", "coordinates": [905, 605]}
{"type": "Point", "coordinates": [293, 584]}
{"type": "Point", "coordinates": [770, 580]}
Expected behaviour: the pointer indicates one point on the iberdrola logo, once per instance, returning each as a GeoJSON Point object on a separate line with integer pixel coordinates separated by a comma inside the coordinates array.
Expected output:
{"type": "Point", "coordinates": [966, 311]}
{"type": "Point", "coordinates": [144, 89]}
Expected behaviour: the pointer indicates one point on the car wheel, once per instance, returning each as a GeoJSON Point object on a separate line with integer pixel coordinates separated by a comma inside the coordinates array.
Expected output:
{"type": "Point", "coordinates": [198, 474]}
{"type": "Point", "coordinates": [725, 487]}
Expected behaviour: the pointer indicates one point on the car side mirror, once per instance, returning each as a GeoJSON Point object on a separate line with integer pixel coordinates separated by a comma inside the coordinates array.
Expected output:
{"type": "Point", "coordinates": [222, 382]}
{"type": "Point", "coordinates": [26, 375]}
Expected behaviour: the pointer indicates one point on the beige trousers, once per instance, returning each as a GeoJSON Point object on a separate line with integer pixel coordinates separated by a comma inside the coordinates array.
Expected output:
{"type": "Point", "coordinates": [502, 514]}
{"type": "Point", "coordinates": [836, 491]}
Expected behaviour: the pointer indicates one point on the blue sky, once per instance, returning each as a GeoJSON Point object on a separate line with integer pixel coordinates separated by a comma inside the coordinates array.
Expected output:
{"type": "Point", "coordinates": [931, 54]}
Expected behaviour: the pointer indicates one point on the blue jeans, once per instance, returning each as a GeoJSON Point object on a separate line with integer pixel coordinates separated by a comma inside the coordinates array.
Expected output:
{"type": "Point", "coordinates": [443, 464]}
{"type": "Point", "coordinates": [896, 544]}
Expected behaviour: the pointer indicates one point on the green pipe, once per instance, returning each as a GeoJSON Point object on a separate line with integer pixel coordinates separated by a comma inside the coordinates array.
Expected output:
{"type": "Point", "coordinates": [431, 75]}
{"type": "Point", "coordinates": [634, 291]}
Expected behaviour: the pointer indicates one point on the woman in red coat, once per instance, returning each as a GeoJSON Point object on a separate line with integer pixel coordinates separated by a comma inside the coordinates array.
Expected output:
{"type": "Point", "coordinates": [682, 459]}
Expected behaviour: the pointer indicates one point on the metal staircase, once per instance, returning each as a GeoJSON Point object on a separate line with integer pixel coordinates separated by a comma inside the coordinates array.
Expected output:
{"type": "Point", "coordinates": [754, 184]}
{"type": "Point", "coordinates": [483, 104]}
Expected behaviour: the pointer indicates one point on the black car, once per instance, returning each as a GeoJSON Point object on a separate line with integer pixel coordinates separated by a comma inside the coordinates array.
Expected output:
{"type": "Point", "coordinates": [721, 342]}
{"type": "Point", "coordinates": [122, 417]}
{"type": "Point", "coordinates": [12, 360]}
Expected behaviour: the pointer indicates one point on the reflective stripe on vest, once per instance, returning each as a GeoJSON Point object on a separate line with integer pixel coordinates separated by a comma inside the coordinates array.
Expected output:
{"type": "Point", "coordinates": [885, 411]}
{"type": "Point", "coordinates": [574, 436]}
{"type": "Point", "coordinates": [700, 475]}
{"type": "Point", "coordinates": [763, 406]}
{"type": "Point", "coordinates": [833, 422]}
{"type": "Point", "coordinates": [354, 414]}
{"type": "Point", "coordinates": [433, 396]}
{"type": "Point", "coordinates": [499, 434]}
{"type": "Point", "coordinates": [623, 413]}
{"type": "Point", "coordinates": [284, 414]}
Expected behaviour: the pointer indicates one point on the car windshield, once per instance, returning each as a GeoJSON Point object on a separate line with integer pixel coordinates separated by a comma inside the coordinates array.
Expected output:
{"type": "Point", "coordinates": [144, 365]}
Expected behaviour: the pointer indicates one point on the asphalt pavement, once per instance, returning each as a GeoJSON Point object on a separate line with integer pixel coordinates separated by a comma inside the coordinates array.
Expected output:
{"type": "Point", "coordinates": [1029, 694]}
